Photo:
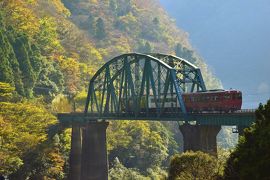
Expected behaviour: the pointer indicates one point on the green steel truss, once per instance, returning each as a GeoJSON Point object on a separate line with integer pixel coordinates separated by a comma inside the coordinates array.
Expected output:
{"type": "Point", "coordinates": [142, 85]}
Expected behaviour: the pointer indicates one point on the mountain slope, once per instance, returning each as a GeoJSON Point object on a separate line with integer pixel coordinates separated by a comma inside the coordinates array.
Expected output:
{"type": "Point", "coordinates": [77, 36]}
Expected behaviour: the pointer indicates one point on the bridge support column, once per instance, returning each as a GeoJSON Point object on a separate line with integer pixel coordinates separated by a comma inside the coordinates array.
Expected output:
{"type": "Point", "coordinates": [200, 137]}
{"type": "Point", "coordinates": [75, 152]}
{"type": "Point", "coordinates": [94, 152]}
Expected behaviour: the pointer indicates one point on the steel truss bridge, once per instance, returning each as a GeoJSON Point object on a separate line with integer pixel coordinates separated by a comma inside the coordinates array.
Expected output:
{"type": "Point", "coordinates": [138, 87]}
{"type": "Point", "coordinates": [121, 88]}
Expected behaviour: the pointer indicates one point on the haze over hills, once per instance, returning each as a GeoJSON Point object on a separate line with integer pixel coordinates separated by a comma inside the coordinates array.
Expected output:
{"type": "Point", "coordinates": [233, 38]}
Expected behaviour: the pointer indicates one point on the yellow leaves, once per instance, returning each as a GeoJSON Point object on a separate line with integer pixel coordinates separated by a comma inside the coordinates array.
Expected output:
{"type": "Point", "coordinates": [48, 37]}
{"type": "Point", "coordinates": [57, 163]}
{"type": "Point", "coordinates": [94, 1]}
{"type": "Point", "coordinates": [60, 7]}
{"type": "Point", "coordinates": [21, 17]}
{"type": "Point", "coordinates": [61, 104]}
{"type": "Point", "coordinates": [22, 127]}
{"type": "Point", "coordinates": [128, 19]}
{"type": "Point", "coordinates": [26, 117]}
{"type": "Point", "coordinates": [93, 52]}
{"type": "Point", "coordinates": [80, 100]}
{"type": "Point", "coordinates": [71, 69]}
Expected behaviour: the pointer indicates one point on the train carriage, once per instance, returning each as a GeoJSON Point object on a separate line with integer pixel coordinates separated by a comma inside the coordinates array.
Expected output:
{"type": "Point", "coordinates": [202, 101]}
{"type": "Point", "coordinates": [213, 100]}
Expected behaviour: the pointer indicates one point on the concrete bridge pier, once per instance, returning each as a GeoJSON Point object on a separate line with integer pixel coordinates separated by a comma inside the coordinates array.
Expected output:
{"type": "Point", "coordinates": [94, 164]}
{"type": "Point", "coordinates": [75, 152]}
{"type": "Point", "coordinates": [200, 137]}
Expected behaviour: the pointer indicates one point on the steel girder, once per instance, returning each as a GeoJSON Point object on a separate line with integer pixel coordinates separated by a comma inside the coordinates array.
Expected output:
{"type": "Point", "coordinates": [141, 84]}
{"type": "Point", "coordinates": [189, 76]}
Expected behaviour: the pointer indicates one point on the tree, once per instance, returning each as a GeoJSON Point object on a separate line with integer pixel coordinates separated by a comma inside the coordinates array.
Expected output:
{"type": "Point", "coordinates": [156, 21]}
{"type": "Point", "coordinates": [192, 165]}
{"type": "Point", "coordinates": [89, 24]}
{"type": "Point", "coordinates": [100, 29]}
{"type": "Point", "coordinates": [145, 47]}
{"type": "Point", "coordinates": [119, 171]}
{"type": "Point", "coordinates": [47, 37]}
{"type": "Point", "coordinates": [178, 50]}
{"type": "Point", "coordinates": [22, 129]}
{"type": "Point", "coordinates": [251, 158]}
{"type": "Point", "coordinates": [185, 53]}
{"type": "Point", "coordinates": [22, 50]}
{"type": "Point", "coordinates": [6, 92]}
{"type": "Point", "coordinates": [140, 145]}
{"type": "Point", "coordinates": [113, 5]}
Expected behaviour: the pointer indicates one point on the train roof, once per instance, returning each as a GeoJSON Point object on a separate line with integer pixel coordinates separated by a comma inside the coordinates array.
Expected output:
{"type": "Point", "coordinates": [215, 91]}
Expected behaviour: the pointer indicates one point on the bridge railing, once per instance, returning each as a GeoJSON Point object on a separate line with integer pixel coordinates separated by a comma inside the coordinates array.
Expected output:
{"type": "Point", "coordinates": [246, 111]}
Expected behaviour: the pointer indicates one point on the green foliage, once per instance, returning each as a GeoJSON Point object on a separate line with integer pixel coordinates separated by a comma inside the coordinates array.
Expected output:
{"type": "Point", "coordinates": [46, 161]}
{"type": "Point", "coordinates": [90, 24]}
{"type": "Point", "coordinates": [185, 53]}
{"type": "Point", "coordinates": [145, 47]}
{"type": "Point", "coordinates": [119, 171]}
{"type": "Point", "coordinates": [23, 128]}
{"type": "Point", "coordinates": [22, 50]}
{"type": "Point", "coordinates": [250, 159]}
{"type": "Point", "coordinates": [100, 29]}
{"type": "Point", "coordinates": [47, 37]}
{"type": "Point", "coordinates": [192, 165]}
{"type": "Point", "coordinates": [140, 145]}
{"type": "Point", "coordinates": [6, 92]}
{"type": "Point", "coordinates": [25, 67]}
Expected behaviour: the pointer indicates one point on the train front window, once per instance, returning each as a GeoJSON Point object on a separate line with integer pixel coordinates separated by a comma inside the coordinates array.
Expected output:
{"type": "Point", "coordinates": [239, 96]}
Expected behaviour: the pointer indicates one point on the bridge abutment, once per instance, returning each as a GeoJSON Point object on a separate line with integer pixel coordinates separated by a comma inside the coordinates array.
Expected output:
{"type": "Point", "coordinates": [94, 164]}
{"type": "Point", "coordinates": [200, 137]}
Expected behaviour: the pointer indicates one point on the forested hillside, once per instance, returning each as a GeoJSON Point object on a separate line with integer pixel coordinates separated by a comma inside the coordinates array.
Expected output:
{"type": "Point", "coordinates": [48, 51]}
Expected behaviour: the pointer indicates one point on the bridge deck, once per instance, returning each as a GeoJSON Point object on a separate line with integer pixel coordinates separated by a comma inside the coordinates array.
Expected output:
{"type": "Point", "coordinates": [240, 118]}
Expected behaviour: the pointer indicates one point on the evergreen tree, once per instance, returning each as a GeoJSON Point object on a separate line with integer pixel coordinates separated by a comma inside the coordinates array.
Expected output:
{"type": "Point", "coordinates": [90, 24]}
{"type": "Point", "coordinates": [185, 53]}
{"type": "Point", "coordinates": [100, 29]}
{"type": "Point", "coordinates": [6, 74]}
{"type": "Point", "coordinates": [145, 47]}
{"type": "Point", "coordinates": [156, 21]}
{"type": "Point", "coordinates": [251, 158]}
{"type": "Point", "coordinates": [113, 5]}
{"type": "Point", "coordinates": [22, 48]}
{"type": "Point", "coordinates": [178, 50]}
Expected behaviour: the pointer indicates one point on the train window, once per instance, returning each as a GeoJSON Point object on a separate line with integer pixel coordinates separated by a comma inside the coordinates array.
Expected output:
{"type": "Point", "coordinates": [239, 96]}
{"type": "Point", "coordinates": [202, 99]}
{"type": "Point", "coordinates": [227, 96]}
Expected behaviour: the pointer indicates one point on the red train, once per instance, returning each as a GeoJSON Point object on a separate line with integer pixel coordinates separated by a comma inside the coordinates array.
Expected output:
{"type": "Point", "coordinates": [202, 101]}
{"type": "Point", "coordinates": [213, 100]}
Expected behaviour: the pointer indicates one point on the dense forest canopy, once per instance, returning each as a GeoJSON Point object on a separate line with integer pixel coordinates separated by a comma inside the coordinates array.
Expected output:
{"type": "Point", "coordinates": [57, 45]}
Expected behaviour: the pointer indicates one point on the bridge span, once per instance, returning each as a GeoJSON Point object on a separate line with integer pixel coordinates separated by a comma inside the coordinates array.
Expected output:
{"type": "Point", "coordinates": [121, 90]}
{"type": "Point", "coordinates": [243, 117]}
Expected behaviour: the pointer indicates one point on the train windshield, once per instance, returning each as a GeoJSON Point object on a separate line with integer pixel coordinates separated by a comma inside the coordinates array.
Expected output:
{"type": "Point", "coordinates": [239, 96]}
